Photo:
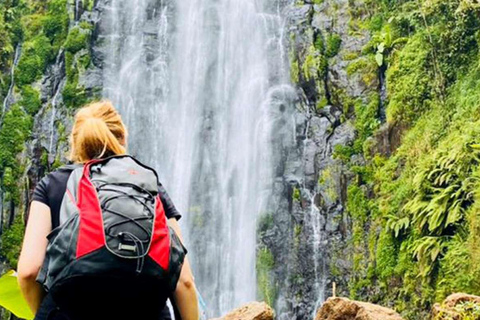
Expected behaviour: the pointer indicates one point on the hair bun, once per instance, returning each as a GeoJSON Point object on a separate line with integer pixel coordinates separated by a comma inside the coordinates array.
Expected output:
{"type": "Point", "coordinates": [97, 132]}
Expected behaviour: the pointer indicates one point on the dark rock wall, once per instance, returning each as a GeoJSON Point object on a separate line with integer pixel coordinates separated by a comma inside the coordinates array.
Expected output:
{"type": "Point", "coordinates": [310, 233]}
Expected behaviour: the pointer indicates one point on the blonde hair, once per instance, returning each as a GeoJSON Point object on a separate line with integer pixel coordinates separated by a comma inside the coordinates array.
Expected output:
{"type": "Point", "coordinates": [98, 132]}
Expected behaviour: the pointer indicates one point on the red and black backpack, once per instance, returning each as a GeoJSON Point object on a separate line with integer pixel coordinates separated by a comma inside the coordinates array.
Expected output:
{"type": "Point", "coordinates": [113, 235]}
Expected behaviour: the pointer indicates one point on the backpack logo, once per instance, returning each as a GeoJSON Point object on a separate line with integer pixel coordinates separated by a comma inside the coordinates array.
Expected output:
{"type": "Point", "coordinates": [132, 171]}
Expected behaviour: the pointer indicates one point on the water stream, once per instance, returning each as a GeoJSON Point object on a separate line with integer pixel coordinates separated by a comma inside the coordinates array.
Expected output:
{"type": "Point", "coordinates": [198, 83]}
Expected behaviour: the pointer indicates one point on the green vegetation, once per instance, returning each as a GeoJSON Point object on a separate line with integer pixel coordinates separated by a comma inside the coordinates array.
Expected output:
{"type": "Point", "coordinates": [13, 134]}
{"type": "Point", "coordinates": [76, 61]}
{"type": "Point", "coordinates": [296, 195]}
{"type": "Point", "coordinates": [415, 213]}
{"type": "Point", "coordinates": [11, 241]}
{"type": "Point", "coordinates": [30, 100]}
{"type": "Point", "coordinates": [333, 45]}
{"type": "Point", "coordinates": [265, 264]}
{"type": "Point", "coordinates": [37, 54]}
{"type": "Point", "coordinates": [11, 297]}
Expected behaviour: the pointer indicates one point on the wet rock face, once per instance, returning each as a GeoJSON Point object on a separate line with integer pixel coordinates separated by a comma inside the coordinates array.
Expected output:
{"type": "Point", "coordinates": [345, 309]}
{"type": "Point", "coordinates": [48, 147]}
{"type": "Point", "coordinates": [310, 230]}
{"type": "Point", "coordinates": [250, 311]}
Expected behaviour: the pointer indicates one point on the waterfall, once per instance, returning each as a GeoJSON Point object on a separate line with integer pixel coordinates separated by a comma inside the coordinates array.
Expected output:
{"type": "Point", "coordinates": [198, 83]}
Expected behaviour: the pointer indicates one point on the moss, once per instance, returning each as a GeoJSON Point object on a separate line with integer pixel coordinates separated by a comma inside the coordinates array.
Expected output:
{"type": "Point", "coordinates": [56, 22]}
{"type": "Point", "coordinates": [333, 45]}
{"type": "Point", "coordinates": [13, 134]}
{"type": "Point", "coordinates": [88, 5]}
{"type": "Point", "coordinates": [319, 43]}
{"type": "Point", "coordinates": [296, 196]}
{"type": "Point", "coordinates": [57, 163]}
{"type": "Point", "coordinates": [44, 158]}
{"type": "Point", "coordinates": [328, 183]}
{"type": "Point", "coordinates": [30, 100]}
{"type": "Point", "coordinates": [357, 65]}
{"type": "Point", "coordinates": [409, 82]}
{"type": "Point", "coordinates": [297, 231]}
{"type": "Point", "coordinates": [312, 64]}
{"type": "Point", "coordinates": [386, 255]}
{"type": "Point", "coordinates": [77, 39]}
{"type": "Point", "coordinates": [294, 72]}
{"type": "Point", "coordinates": [73, 95]}
{"type": "Point", "coordinates": [265, 264]}
{"type": "Point", "coordinates": [349, 56]}
{"type": "Point", "coordinates": [265, 222]}
{"type": "Point", "coordinates": [366, 120]}
{"type": "Point", "coordinates": [76, 61]}
{"type": "Point", "coordinates": [322, 103]}
{"type": "Point", "coordinates": [376, 22]}
{"type": "Point", "coordinates": [11, 241]}
{"type": "Point", "coordinates": [15, 130]}
{"type": "Point", "coordinates": [36, 55]}
{"type": "Point", "coordinates": [343, 152]}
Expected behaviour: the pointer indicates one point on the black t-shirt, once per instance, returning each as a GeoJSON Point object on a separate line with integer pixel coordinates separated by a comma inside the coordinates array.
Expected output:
{"type": "Point", "coordinates": [52, 187]}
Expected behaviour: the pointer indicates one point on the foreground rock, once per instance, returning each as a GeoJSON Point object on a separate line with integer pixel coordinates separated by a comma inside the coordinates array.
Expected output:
{"type": "Point", "coordinates": [251, 311]}
{"type": "Point", "coordinates": [451, 306]}
{"type": "Point", "coordinates": [345, 309]}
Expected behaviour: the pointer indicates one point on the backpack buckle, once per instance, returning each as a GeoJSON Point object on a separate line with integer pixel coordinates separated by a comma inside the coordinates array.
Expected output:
{"type": "Point", "coordinates": [127, 247]}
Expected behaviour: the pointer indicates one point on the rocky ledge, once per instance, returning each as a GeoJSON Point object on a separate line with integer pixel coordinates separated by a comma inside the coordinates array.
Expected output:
{"type": "Point", "coordinates": [250, 311]}
{"type": "Point", "coordinates": [345, 309]}
{"type": "Point", "coordinates": [457, 306]}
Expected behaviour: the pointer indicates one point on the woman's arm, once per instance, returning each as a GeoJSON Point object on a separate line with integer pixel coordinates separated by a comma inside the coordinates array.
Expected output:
{"type": "Point", "coordinates": [34, 247]}
{"type": "Point", "coordinates": [185, 294]}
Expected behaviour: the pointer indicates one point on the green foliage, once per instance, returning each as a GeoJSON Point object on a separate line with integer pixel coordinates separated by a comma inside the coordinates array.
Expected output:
{"type": "Point", "coordinates": [13, 134]}
{"type": "Point", "coordinates": [445, 185]}
{"type": "Point", "coordinates": [30, 100]}
{"type": "Point", "coordinates": [343, 152]}
{"type": "Point", "coordinates": [296, 196]}
{"type": "Point", "coordinates": [36, 55]}
{"type": "Point", "coordinates": [265, 264]}
{"type": "Point", "coordinates": [333, 45]}
{"type": "Point", "coordinates": [12, 298]}
{"type": "Point", "coordinates": [294, 71]}
{"type": "Point", "coordinates": [466, 310]}
{"type": "Point", "coordinates": [77, 39]}
{"type": "Point", "coordinates": [15, 130]}
{"type": "Point", "coordinates": [11, 241]}
{"type": "Point", "coordinates": [417, 209]}
{"type": "Point", "coordinates": [314, 65]}
{"type": "Point", "coordinates": [76, 61]}
{"type": "Point", "coordinates": [409, 81]}
{"type": "Point", "coordinates": [73, 95]}
{"type": "Point", "coordinates": [366, 121]}
{"type": "Point", "coordinates": [56, 22]}
{"type": "Point", "coordinates": [328, 184]}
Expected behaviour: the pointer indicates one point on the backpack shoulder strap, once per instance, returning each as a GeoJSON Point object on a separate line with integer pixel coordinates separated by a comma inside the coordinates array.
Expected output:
{"type": "Point", "coordinates": [70, 167]}
{"type": "Point", "coordinates": [69, 201]}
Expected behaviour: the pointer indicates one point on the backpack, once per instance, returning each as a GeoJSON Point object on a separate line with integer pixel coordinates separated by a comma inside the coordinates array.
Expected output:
{"type": "Point", "coordinates": [113, 237]}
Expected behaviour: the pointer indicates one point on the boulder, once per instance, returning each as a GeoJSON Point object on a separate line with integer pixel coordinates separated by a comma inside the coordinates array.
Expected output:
{"type": "Point", "coordinates": [344, 309]}
{"type": "Point", "coordinates": [447, 309]}
{"type": "Point", "coordinates": [250, 311]}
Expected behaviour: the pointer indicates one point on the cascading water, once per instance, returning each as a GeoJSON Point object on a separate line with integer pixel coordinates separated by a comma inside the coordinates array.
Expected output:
{"type": "Point", "coordinates": [198, 83]}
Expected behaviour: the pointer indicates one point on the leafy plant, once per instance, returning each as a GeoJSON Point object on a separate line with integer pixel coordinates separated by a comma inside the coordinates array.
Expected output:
{"type": "Point", "coordinates": [11, 297]}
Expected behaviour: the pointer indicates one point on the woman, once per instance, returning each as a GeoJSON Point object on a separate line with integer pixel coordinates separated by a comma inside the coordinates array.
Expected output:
{"type": "Point", "coordinates": [98, 132]}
